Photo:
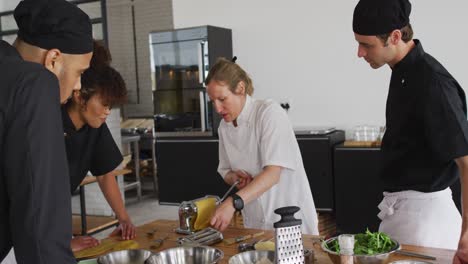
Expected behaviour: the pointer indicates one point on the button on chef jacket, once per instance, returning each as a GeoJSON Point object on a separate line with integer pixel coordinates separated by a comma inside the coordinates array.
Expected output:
{"type": "Point", "coordinates": [264, 137]}
{"type": "Point", "coordinates": [426, 125]}
{"type": "Point", "coordinates": [35, 209]}
{"type": "Point", "coordinates": [89, 149]}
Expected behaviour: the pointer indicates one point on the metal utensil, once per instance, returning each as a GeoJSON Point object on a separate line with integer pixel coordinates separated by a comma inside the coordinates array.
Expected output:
{"type": "Point", "coordinates": [413, 254]}
{"type": "Point", "coordinates": [187, 255]}
{"type": "Point", "coordinates": [247, 246]}
{"type": "Point", "coordinates": [238, 239]}
{"type": "Point", "coordinates": [252, 256]}
{"type": "Point", "coordinates": [410, 261]}
{"type": "Point", "coordinates": [188, 213]}
{"type": "Point", "coordinates": [207, 236]}
{"type": "Point", "coordinates": [158, 242]}
{"type": "Point", "coordinates": [151, 233]}
{"type": "Point", "coordinates": [129, 256]}
{"type": "Point", "coordinates": [289, 248]}
{"type": "Point", "coordinates": [228, 192]}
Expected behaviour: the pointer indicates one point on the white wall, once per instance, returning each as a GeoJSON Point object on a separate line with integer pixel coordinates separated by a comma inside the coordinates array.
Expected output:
{"type": "Point", "coordinates": [304, 51]}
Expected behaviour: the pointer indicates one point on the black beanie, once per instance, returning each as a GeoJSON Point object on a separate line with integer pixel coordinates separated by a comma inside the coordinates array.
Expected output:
{"type": "Point", "coordinates": [377, 17]}
{"type": "Point", "coordinates": [50, 24]}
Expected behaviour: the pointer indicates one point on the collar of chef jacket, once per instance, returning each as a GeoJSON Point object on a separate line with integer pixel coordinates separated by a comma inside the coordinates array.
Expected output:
{"type": "Point", "coordinates": [244, 116]}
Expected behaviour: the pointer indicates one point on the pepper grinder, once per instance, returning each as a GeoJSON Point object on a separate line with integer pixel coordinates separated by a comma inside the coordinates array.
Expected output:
{"type": "Point", "coordinates": [346, 248]}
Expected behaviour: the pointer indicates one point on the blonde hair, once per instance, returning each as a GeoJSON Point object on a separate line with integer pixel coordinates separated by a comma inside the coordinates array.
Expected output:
{"type": "Point", "coordinates": [230, 73]}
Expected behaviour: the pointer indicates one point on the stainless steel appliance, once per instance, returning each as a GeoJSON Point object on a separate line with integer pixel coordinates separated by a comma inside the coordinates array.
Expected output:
{"type": "Point", "coordinates": [180, 61]}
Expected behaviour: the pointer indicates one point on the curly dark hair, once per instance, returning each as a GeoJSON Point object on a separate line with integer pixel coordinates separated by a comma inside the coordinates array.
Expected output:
{"type": "Point", "coordinates": [100, 78]}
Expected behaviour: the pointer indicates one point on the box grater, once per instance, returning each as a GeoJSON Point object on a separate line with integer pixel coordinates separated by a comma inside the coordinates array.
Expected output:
{"type": "Point", "coordinates": [289, 248]}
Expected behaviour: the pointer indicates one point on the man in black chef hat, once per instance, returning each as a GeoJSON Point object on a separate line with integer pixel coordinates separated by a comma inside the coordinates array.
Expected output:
{"type": "Point", "coordinates": [425, 146]}
{"type": "Point", "coordinates": [41, 69]}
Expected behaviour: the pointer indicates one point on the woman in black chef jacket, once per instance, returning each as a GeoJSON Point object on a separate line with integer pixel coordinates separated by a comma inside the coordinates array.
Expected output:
{"type": "Point", "coordinates": [89, 143]}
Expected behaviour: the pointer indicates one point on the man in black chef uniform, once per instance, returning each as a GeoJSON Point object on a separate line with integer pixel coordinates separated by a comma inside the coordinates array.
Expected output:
{"type": "Point", "coordinates": [53, 48]}
{"type": "Point", "coordinates": [425, 145]}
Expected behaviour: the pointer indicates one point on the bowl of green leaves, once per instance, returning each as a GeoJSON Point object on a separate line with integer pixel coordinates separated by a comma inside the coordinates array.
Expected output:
{"type": "Point", "coordinates": [369, 248]}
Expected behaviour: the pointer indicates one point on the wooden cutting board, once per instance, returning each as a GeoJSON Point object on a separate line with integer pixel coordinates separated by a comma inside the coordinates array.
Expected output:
{"type": "Point", "coordinates": [107, 245]}
{"type": "Point", "coordinates": [369, 144]}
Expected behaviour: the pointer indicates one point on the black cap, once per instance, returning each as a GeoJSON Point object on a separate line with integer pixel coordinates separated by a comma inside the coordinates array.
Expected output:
{"type": "Point", "coordinates": [58, 24]}
{"type": "Point", "coordinates": [377, 17]}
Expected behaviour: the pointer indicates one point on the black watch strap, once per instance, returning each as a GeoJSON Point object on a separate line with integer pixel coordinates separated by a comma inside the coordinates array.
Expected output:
{"type": "Point", "coordinates": [237, 202]}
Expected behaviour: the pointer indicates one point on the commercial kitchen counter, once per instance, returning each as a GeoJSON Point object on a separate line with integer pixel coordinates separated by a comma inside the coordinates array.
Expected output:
{"type": "Point", "coordinates": [166, 228]}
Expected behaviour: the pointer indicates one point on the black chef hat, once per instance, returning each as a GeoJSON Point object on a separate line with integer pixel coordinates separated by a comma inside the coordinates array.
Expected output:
{"type": "Point", "coordinates": [56, 24]}
{"type": "Point", "coordinates": [377, 17]}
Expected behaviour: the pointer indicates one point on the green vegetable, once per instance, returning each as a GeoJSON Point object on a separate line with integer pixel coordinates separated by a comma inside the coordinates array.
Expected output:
{"type": "Point", "coordinates": [366, 244]}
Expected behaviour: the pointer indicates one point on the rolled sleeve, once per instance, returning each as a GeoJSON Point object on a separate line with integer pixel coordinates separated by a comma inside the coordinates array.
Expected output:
{"type": "Point", "coordinates": [277, 139]}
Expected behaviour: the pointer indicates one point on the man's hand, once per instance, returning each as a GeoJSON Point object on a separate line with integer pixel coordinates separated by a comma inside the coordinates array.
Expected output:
{"type": "Point", "coordinates": [126, 230]}
{"type": "Point", "coordinates": [243, 177]}
{"type": "Point", "coordinates": [83, 242]}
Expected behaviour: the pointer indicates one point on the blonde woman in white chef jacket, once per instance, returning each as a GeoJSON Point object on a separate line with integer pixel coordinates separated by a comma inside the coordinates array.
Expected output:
{"type": "Point", "coordinates": [257, 146]}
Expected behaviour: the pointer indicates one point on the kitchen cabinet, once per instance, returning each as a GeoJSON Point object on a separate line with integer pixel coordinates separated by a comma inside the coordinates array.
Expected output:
{"type": "Point", "coordinates": [187, 169]}
{"type": "Point", "coordinates": [358, 188]}
{"type": "Point", "coordinates": [317, 156]}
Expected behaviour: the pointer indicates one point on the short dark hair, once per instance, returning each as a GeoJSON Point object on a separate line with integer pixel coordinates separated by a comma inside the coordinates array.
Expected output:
{"type": "Point", "coordinates": [102, 79]}
{"type": "Point", "coordinates": [406, 34]}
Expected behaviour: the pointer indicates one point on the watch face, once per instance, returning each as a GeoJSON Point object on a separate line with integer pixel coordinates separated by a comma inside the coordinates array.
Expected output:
{"type": "Point", "coordinates": [238, 203]}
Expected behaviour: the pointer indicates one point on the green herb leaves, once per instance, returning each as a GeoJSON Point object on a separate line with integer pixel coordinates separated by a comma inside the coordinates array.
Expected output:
{"type": "Point", "coordinates": [367, 244]}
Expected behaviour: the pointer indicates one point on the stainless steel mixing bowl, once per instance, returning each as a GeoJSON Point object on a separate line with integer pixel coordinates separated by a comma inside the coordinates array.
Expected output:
{"type": "Point", "coordinates": [361, 259]}
{"type": "Point", "coordinates": [252, 257]}
{"type": "Point", "coordinates": [129, 256]}
{"type": "Point", "coordinates": [187, 255]}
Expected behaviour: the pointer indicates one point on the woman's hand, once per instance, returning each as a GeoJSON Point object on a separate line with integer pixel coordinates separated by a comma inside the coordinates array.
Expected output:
{"type": "Point", "coordinates": [461, 256]}
{"type": "Point", "coordinates": [83, 242]}
{"type": "Point", "coordinates": [243, 177]}
{"type": "Point", "coordinates": [126, 230]}
{"type": "Point", "coordinates": [223, 215]}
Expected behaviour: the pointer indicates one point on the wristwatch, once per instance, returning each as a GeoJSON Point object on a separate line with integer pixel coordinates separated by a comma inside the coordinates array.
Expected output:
{"type": "Point", "coordinates": [237, 202]}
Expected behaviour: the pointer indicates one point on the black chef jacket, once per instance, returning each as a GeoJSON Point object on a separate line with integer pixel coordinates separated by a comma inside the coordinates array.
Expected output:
{"type": "Point", "coordinates": [89, 149]}
{"type": "Point", "coordinates": [35, 211]}
{"type": "Point", "coordinates": [426, 125]}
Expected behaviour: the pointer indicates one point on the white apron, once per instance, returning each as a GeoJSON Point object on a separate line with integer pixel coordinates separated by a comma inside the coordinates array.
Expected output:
{"type": "Point", "coordinates": [421, 219]}
{"type": "Point", "coordinates": [10, 258]}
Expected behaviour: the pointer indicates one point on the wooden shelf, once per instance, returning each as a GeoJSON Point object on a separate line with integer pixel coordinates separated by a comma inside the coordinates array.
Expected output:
{"type": "Point", "coordinates": [95, 223]}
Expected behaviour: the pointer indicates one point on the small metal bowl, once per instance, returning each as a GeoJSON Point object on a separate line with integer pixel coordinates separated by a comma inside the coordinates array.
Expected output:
{"type": "Point", "coordinates": [410, 262]}
{"type": "Point", "coordinates": [361, 259]}
{"type": "Point", "coordinates": [129, 256]}
{"type": "Point", "coordinates": [88, 261]}
{"type": "Point", "coordinates": [183, 255]}
{"type": "Point", "coordinates": [249, 257]}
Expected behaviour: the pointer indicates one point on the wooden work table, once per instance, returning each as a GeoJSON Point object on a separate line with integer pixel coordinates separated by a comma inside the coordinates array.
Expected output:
{"type": "Point", "coordinates": [166, 228]}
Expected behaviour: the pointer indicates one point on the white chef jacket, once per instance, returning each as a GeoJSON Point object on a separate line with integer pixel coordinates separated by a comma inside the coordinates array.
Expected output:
{"type": "Point", "coordinates": [421, 219]}
{"type": "Point", "coordinates": [264, 137]}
